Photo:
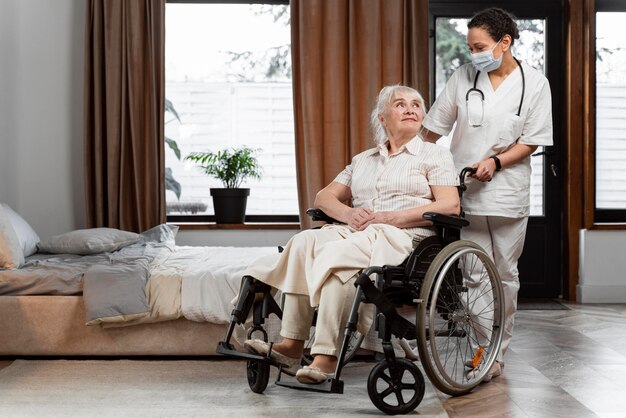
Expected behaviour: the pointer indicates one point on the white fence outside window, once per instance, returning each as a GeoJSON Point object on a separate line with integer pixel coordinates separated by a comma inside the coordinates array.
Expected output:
{"type": "Point", "coordinates": [217, 115]}
{"type": "Point", "coordinates": [611, 146]}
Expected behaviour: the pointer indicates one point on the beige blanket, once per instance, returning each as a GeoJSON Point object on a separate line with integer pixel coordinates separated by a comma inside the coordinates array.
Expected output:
{"type": "Point", "coordinates": [311, 256]}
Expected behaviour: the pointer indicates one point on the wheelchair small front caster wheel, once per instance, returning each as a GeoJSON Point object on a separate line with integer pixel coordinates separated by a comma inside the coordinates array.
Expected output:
{"type": "Point", "coordinates": [397, 390]}
{"type": "Point", "coordinates": [258, 375]}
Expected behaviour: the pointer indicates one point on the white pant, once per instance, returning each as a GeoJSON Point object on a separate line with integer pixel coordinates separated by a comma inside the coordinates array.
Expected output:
{"type": "Point", "coordinates": [503, 239]}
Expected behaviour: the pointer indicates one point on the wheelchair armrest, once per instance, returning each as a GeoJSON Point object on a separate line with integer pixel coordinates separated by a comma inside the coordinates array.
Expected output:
{"type": "Point", "coordinates": [319, 215]}
{"type": "Point", "coordinates": [439, 219]}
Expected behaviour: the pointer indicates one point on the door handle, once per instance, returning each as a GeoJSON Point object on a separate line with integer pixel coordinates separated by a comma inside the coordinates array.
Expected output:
{"type": "Point", "coordinates": [553, 169]}
{"type": "Point", "coordinates": [548, 152]}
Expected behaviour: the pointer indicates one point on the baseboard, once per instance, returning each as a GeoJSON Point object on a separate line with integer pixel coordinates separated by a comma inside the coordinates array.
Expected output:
{"type": "Point", "coordinates": [601, 294]}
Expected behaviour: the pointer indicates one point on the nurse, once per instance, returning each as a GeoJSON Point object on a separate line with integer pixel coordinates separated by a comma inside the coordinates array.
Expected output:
{"type": "Point", "coordinates": [502, 110]}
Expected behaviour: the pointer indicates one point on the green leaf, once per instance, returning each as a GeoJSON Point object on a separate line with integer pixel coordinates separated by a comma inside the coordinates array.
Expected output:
{"type": "Point", "coordinates": [171, 184]}
{"type": "Point", "coordinates": [169, 107]}
{"type": "Point", "coordinates": [230, 166]}
{"type": "Point", "coordinates": [173, 146]}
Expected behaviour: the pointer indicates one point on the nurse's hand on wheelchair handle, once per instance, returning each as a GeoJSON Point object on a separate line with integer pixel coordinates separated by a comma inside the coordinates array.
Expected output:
{"type": "Point", "coordinates": [484, 170]}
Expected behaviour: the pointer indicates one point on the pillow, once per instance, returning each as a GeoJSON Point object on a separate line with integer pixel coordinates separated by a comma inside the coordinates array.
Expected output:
{"type": "Point", "coordinates": [11, 254]}
{"type": "Point", "coordinates": [26, 235]}
{"type": "Point", "coordinates": [88, 241]}
{"type": "Point", "coordinates": [161, 233]}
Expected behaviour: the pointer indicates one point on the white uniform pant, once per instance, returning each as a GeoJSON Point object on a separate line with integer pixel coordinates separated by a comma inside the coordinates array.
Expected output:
{"type": "Point", "coordinates": [336, 300]}
{"type": "Point", "coordinates": [503, 239]}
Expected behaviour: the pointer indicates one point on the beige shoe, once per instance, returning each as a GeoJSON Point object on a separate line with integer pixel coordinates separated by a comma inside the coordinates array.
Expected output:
{"type": "Point", "coordinates": [312, 375]}
{"type": "Point", "coordinates": [290, 364]}
{"type": "Point", "coordinates": [410, 352]}
{"type": "Point", "coordinates": [495, 371]}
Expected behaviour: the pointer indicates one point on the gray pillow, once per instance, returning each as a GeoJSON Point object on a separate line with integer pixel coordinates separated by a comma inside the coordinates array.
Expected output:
{"type": "Point", "coordinates": [11, 254]}
{"type": "Point", "coordinates": [26, 235]}
{"type": "Point", "coordinates": [161, 233]}
{"type": "Point", "coordinates": [88, 241]}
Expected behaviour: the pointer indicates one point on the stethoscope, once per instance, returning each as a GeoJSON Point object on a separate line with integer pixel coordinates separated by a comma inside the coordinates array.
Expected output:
{"type": "Point", "coordinates": [482, 95]}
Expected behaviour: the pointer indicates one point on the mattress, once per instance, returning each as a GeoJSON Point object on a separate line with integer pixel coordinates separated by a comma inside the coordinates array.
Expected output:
{"type": "Point", "coordinates": [140, 283]}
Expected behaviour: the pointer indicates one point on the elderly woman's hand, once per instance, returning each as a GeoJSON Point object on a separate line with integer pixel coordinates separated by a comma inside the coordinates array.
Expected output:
{"type": "Point", "coordinates": [379, 218]}
{"type": "Point", "coordinates": [358, 217]}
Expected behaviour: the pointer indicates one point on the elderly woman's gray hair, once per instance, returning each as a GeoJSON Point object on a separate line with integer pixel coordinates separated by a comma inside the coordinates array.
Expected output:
{"type": "Point", "coordinates": [384, 99]}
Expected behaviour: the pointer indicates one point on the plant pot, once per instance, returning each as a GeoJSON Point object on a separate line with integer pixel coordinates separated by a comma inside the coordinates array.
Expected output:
{"type": "Point", "coordinates": [230, 205]}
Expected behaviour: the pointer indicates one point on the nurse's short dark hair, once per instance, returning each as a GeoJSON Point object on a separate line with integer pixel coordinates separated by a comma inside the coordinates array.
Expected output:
{"type": "Point", "coordinates": [497, 22]}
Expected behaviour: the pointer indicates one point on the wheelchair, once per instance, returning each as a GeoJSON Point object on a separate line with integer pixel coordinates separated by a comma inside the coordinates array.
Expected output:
{"type": "Point", "coordinates": [457, 295]}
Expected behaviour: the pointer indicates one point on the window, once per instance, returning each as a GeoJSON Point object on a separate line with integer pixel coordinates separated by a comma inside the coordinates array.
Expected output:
{"type": "Point", "coordinates": [228, 84]}
{"type": "Point", "coordinates": [610, 141]}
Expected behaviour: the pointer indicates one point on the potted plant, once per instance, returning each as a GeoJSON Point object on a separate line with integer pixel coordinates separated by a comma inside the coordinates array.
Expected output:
{"type": "Point", "coordinates": [231, 167]}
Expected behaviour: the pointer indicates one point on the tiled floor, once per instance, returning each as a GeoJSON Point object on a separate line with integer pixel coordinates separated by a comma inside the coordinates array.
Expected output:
{"type": "Point", "coordinates": [562, 363]}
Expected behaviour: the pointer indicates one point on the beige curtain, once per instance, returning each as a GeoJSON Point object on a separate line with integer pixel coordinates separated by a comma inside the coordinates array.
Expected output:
{"type": "Point", "coordinates": [344, 52]}
{"type": "Point", "coordinates": [124, 111]}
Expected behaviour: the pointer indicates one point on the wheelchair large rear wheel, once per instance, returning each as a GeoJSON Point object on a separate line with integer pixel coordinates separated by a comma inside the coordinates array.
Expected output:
{"type": "Point", "coordinates": [461, 317]}
{"type": "Point", "coordinates": [398, 389]}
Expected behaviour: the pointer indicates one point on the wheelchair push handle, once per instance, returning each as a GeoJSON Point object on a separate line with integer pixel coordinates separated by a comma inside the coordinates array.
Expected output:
{"type": "Point", "coordinates": [464, 172]}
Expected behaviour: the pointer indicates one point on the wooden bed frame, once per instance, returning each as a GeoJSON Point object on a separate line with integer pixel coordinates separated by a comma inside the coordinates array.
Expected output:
{"type": "Point", "coordinates": [55, 326]}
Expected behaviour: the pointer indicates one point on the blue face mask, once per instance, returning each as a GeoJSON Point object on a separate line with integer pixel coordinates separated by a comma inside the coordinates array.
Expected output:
{"type": "Point", "coordinates": [484, 61]}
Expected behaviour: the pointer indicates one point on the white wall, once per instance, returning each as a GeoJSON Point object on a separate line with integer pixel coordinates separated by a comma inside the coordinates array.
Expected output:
{"type": "Point", "coordinates": [41, 107]}
{"type": "Point", "coordinates": [602, 267]}
{"type": "Point", "coordinates": [8, 98]}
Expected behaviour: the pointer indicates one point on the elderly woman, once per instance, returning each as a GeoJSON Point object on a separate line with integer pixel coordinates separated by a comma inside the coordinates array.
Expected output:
{"type": "Point", "coordinates": [388, 189]}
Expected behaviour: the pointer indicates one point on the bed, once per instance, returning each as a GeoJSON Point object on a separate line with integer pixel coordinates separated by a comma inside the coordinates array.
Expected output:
{"type": "Point", "coordinates": [106, 292]}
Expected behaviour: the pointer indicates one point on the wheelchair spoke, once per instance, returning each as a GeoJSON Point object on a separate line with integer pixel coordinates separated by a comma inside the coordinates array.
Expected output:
{"type": "Point", "coordinates": [399, 397]}
{"type": "Point", "coordinates": [463, 305]}
{"type": "Point", "coordinates": [386, 392]}
{"type": "Point", "coordinates": [451, 350]}
{"type": "Point", "coordinates": [387, 379]}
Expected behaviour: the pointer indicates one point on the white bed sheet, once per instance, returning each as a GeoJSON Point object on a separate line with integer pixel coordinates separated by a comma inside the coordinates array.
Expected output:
{"type": "Point", "coordinates": [211, 277]}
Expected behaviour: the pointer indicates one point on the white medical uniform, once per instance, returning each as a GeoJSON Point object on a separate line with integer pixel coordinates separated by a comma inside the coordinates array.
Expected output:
{"type": "Point", "coordinates": [497, 210]}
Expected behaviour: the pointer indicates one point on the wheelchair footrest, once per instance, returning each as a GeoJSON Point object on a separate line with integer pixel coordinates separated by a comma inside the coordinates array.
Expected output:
{"type": "Point", "coordinates": [329, 386]}
{"type": "Point", "coordinates": [229, 351]}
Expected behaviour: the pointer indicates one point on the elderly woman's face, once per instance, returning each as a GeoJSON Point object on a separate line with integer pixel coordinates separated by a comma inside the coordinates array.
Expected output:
{"type": "Point", "coordinates": [403, 116]}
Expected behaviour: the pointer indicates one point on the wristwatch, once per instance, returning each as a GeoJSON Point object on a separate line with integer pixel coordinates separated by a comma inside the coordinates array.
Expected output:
{"type": "Point", "coordinates": [497, 160]}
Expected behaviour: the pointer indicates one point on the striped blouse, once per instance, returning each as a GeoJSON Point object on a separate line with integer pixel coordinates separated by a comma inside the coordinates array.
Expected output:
{"type": "Point", "coordinates": [383, 182]}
